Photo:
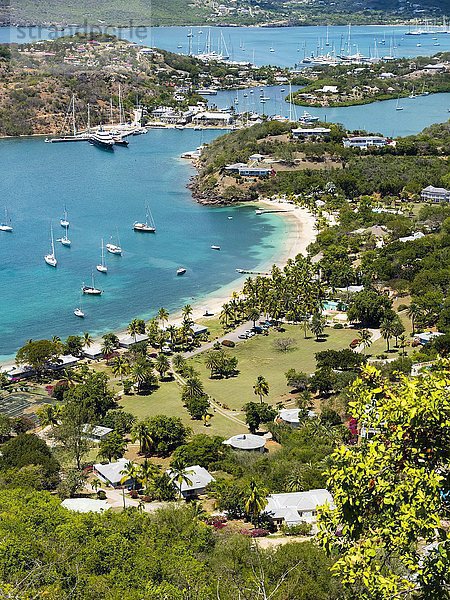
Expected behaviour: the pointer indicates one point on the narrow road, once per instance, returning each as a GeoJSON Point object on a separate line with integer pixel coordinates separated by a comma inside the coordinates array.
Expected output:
{"type": "Point", "coordinates": [232, 335]}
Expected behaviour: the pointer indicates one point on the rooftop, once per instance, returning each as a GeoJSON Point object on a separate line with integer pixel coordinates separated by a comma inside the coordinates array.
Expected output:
{"type": "Point", "coordinates": [112, 471]}
{"type": "Point", "coordinates": [198, 476]}
{"type": "Point", "coordinates": [85, 505]}
{"type": "Point", "coordinates": [289, 506]}
{"type": "Point", "coordinates": [246, 441]}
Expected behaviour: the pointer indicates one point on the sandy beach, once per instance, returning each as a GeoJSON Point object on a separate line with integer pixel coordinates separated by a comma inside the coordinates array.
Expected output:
{"type": "Point", "coordinates": [302, 232]}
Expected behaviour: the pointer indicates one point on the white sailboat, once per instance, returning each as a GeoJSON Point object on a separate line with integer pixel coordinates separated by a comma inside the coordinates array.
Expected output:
{"type": "Point", "coordinates": [65, 239]}
{"type": "Point", "coordinates": [102, 266]}
{"type": "Point", "coordinates": [50, 259]}
{"type": "Point", "coordinates": [148, 226]}
{"type": "Point", "coordinates": [79, 312]}
{"type": "Point", "coordinates": [6, 226]}
{"type": "Point", "coordinates": [91, 290]}
{"type": "Point", "coordinates": [114, 248]}
{"type": "Point", "coordinates": [64, 222]}
{"type": "Point", "coordinates": [398, 107]}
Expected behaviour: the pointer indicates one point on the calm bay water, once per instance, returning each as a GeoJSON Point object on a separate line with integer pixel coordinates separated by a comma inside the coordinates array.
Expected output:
{"type": "Point", "coordinates": [378, 117]}
{"type": "Point", "coordinates": [254, 44]}
{"type": "Point", "coordinates": [103, 192]}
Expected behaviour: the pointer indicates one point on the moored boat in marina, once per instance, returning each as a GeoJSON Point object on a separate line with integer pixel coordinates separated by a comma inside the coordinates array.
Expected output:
{"type": "Point", "coordinates": [102, 268]}
{"type": "Point", "coordinates": [91, 290]}
{"type": "Point", "coordinates": [102, 139]}
{"type": "Point", "coordinates": [181, 271]}
{"type": "Point", "coordinates": [6, 225]}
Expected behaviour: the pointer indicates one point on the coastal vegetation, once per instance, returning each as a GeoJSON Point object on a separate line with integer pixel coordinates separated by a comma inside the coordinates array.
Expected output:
{"type": "Point", "coordinates": [277, 13]}
{"type": "Point", "coordinates": [353, 84]}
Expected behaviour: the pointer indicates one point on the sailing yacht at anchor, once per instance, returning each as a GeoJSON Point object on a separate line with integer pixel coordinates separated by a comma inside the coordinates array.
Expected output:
{"type": "Point", "coordinates": [148, 226]}
{"type": "Point", "coordinates": [50, 258]}
{"type": "Point", "coordinates": [102, 268]}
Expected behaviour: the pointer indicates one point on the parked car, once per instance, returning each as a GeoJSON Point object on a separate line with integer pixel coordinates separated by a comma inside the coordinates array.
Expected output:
{"type": "Point", "coordinates": [243, 336]}
{"type": "Point", "coordinates": [354, 343]}
{"type": "Point", "coordinates": [166, 350]}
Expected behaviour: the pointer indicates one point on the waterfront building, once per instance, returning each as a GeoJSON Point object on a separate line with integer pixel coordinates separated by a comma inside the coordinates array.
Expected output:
{"type": "Point", "coordinates": [213, 118]}
{"type": "Point", "coordinates": [435, 194]}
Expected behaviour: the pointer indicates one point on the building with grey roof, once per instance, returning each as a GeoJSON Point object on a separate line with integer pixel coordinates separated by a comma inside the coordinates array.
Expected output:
{"type": "Point", "coordinates": [247, 441]}
{"type": "Point", "coordinates": [198, 478]}
{"type": "Point", "coordinates": [296, 507]}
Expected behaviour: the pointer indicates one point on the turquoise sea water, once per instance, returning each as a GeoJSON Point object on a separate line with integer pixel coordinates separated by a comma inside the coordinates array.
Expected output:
{"type": "Point", "coordinates": [103, 192]}
{"type": "Point", "coordinates": [253, 44]}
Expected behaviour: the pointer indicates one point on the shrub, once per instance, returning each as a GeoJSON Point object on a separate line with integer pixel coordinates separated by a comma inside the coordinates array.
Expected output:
{"type": "Point", "coordinates": [300, 529]}
{"type": "Point", "coordinates": [101, 495]}
{"type": "Point", "coordinates": [402, 307]}
{"type": "Point", "coordinates": [259, 532]}
{"type": "Point", "coordinates": [228, 343]}
{"type": "Point", "coordinates": [338, 326]}
{"type": "Point", "coordinates": [127, 385]}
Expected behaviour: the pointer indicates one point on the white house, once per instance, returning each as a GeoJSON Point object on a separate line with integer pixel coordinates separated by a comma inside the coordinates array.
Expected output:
{"type": "Point", "coordinates": [291, 416]}
{"type": "Point", "coordinates": [96, 433]}
{"type": "Point", "coordinates": [365, 141]}
{"type": "Point", "coordinates": [247, 441]}
{"type": "Point", "coordinates": [427, 336]}
{"type": "Point", "coordinates": [198, 480]}
{"type": "Point", "coordinates": [412, 238]}
{"type": "Point", "coordinates": [296, 507]}
{"type": "Point", "coordinates": [312, 131]}
{"type": "Point", "coordinates": [94, 351]}
{"type": "Point", "coordinates": [435, 194]}
{"type": "Point", "coordinates": [111, 473]}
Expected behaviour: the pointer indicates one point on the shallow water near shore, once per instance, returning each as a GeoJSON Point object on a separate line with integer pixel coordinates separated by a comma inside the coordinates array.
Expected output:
{"type": "Point", "coordinates": [104, 194]}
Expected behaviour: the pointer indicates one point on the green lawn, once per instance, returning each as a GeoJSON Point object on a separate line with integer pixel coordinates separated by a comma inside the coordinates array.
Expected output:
{"type": "Point", "coordinates": [166, 400]}
{"type": "Point", "coordinates": [379, 347]}
{"type": "Point", "coordinates": [258, 357]}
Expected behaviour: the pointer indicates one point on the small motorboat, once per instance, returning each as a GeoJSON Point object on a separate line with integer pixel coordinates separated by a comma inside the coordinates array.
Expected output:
{"type": "Point", "coordinates": [215, 247]}
{"type": "Point", "coordinates": [79, 313]}
{"type": "Point", "coordinates": [181, 271]}
{"type": "Point", "coordinates": [229, 218]}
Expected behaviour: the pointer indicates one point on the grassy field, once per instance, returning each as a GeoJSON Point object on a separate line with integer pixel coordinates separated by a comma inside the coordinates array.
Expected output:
{"type": "Point", "coordinates": [167, 401]}
{"type": "Point", "coordinates": [257, 356]}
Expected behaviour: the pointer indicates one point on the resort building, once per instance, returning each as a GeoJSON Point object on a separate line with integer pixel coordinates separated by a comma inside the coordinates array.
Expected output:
{"type": "Point", "coordinates": [93, 351]}
{"type": "Point", "coordinates": [111, 473]}
{"type": "Point", "coordinates": [365, 142]}
{"type": "Point", "coordinates": [296, 507]}
{"type": "Point", "coordinates": [198, 480]}
{"type": "Point", "coordinates": [417, 235]}
{"type": "Point", "coordinates": [245, 171]}
{"type": "Point", "coordinates": [294, 416]}
{"type": "Point", "coordinates": [302, 133]}
{"type": "Point", "coordinates": [435, 194]}
{"type": "Point", "coordinates": [247, 441]}
{"type": "Point", "coordinates": [127, 341]}
{"type": "Point", "coordinates": [63, 362]}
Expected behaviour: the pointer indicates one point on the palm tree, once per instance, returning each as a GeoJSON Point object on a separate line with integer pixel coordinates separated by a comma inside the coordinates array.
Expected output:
{"type": "Point", "coordinates": [226, 316]}
{"type": "Point", "coordinates": [261, 388]}
{"type": "Point", "coordinates": [134, 328]}
{"type": "Point", "coordinates": [163, 316]}
{"type": "Point", "coordinates": [141, 432]}
{"type": "Point", "coordinates": [317, 325]}
{"type": "Point", "coordinates": [365, 338]}
{"type": "Point", "coordinates": [255, 502]}
{"type": "Point", "coordinates": [178, 475]}
{"type": "Point", "coordinates": [108, 346]}
{"type": "Point", "coordinates": [386, 329]}
{"type": "Point", "coordinates": [212, 362]}
{"type": "Point", "coordinates": [295, 482]}
{"type": "Point", "coordinates": [49, 414]}
{"type": "Point", "coordinates": [172, 332]}
{"type": "Point", "coordinates": [193, 388]}
{"type": "Point", "coordinates": [253, 315]}
{"type": "Point", "coordinates": [178, 362]}
{"type": "Point", "coordinates": [120, 367]}
{"type": "Point", "coordinates": [186, 311]}
{"type": "Point", "coordinates": [141, 372]}
{"type": "Point", "coordinates": [162, 364]}
{"type": "Point", "coordinates": [87, 339]}
{"type": "Point", "coordinates": [96, 484]}
{"type": "Point", "coordinates": [147, 473]}
{"type": "Point", "coordinates": [130, 471]}
{"type": "Point", "coordinates": [414, 312]}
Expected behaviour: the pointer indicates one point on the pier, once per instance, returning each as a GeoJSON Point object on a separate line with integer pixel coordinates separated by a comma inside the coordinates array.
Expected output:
{"type": "Point", "coordinates": [245, 272]}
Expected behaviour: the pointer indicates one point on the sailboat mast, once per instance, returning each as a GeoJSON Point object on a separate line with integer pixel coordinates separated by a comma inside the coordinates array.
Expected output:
{"type": "Point", "coordinates": [89, 117]}
{"type": "Point", "coordinates": [73, 116]}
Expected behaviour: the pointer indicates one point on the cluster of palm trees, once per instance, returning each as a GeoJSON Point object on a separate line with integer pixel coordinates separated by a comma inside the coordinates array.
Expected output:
{"type": "Point", "coordinates": [147, 475]}
{"type": "Point", "coordinates": [294, 293]}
